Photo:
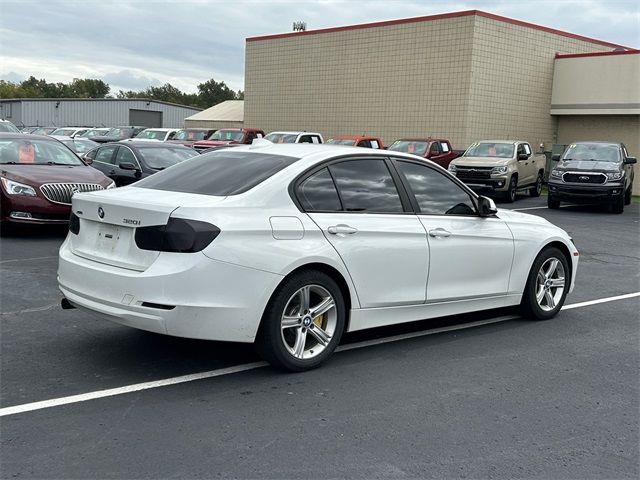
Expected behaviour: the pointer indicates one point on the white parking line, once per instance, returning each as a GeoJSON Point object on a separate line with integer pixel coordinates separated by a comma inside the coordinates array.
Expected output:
{"type": "Point", "coordinates": [13, 260]}
{"type": "Point", "coordinates": [56, 402]}
{"type": "Point", "coordinates": [539, 208]}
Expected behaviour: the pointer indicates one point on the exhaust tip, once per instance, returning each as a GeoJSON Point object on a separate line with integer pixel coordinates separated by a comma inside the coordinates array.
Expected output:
{"type": "Point", "coordinates": [66, 304]}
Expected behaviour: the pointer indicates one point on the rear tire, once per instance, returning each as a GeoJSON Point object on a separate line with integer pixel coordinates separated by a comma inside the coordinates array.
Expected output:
{"type": "Point", "coordinates": [303, 322]}
{"type": "Point", "coordinates": [552, 203]}
{"type": "Point", "coordinates": [537, 188]}
{"type": "Point", "coordinates": [512, 191]}
{"type": "Point", "coordinates": [547, 285]}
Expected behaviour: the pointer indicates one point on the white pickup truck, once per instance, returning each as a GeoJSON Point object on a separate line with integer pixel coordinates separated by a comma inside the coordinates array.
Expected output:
{"type": "Point", "coordinates": [502, 167]}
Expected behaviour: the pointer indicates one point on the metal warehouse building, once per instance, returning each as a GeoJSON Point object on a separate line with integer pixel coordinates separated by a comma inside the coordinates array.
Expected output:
{"type": "Point", "coordinates": [107, 112]}
{"type": "Point", "coordinates": [465, 76]}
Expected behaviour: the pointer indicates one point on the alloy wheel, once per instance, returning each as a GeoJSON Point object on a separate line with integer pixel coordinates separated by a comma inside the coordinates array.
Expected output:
{"type": "Point", "coordinates": [550, 284]}
{"type": "Point", "coordinates": [309, 322]}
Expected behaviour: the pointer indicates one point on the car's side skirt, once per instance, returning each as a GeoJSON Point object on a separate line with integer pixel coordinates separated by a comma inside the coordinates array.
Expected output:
{"type": "Point", "coordinates": [363, 318]}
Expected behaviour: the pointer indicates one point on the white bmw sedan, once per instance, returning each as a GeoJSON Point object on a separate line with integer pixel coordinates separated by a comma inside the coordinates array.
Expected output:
{"type": "Point", "coordinates": [290, 246]}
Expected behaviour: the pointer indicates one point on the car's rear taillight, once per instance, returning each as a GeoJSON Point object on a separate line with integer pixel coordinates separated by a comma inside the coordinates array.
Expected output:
{"type": "Point", "coordinates": [179, 235]}
{"type": "Point", "coordinates": [74, 224]}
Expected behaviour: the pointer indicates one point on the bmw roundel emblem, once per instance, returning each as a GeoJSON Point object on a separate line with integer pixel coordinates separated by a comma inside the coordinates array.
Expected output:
{"type": "Point", "coordinates": [100, 212]}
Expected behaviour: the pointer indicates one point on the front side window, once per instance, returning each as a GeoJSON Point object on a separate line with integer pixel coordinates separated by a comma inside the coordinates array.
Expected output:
{"type": "Point", "coordinates": [125, 155]}
{"type": "Point", "coordinates": [435, 193]}
{"type": "Point", "coordinates": [366, 186]}
{"type": "Point", "coordinates": [318, 193]}
{"type": "Point", "coordinates": [220, 173]}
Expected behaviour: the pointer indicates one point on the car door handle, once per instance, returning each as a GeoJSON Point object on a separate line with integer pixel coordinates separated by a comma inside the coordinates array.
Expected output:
{"type": "Point", "coordinates": [341, 228]}
{"type": "Point", "coordinates": [439, 232]}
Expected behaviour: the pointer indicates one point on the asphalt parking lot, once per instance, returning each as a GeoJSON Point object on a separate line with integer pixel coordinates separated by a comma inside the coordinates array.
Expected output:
{"type": "Point", "coordinates": [499, 398]}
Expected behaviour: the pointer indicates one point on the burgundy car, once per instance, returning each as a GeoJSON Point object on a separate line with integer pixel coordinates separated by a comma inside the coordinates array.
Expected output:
{"type": "Point", "coordinates": [228, 136]}
{"type": "Point", "coordinates": [39, 175]}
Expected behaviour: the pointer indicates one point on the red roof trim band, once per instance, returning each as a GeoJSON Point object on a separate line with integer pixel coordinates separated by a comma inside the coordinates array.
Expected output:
{"type": "Point", "coordinates": [429, 18]}
{"type": "Point", "coordinates": [597, 54]}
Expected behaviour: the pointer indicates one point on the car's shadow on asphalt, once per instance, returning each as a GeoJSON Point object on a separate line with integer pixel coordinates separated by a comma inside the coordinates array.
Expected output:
{"type": "Point", "coordinates": [34, 232]}
{"type": "Point", "coordinates": [149, 355]}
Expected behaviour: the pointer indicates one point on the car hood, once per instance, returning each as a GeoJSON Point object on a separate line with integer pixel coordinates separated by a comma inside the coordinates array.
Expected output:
{"type": "Point", "coordinates": [588, 166]}
{"type": "Point", "coordinates": [105, 139]}
{"type": "Point", "coordinates": [187, 143]}
{"type": "Point", "coordinates": [481, 161]}
{"type": "Point", "coordinates": [511, 216]}
{"type": "Point", "coordinates": [37, 175]}
{"type": "Point", "coordinates": [213, 143]}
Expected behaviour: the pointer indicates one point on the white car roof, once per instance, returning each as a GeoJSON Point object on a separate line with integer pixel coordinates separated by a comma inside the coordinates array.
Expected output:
{"type": "Point", "coordinates": [161, 129]}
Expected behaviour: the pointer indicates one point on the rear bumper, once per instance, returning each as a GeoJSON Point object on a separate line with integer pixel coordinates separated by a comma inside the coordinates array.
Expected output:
{"type": "Point", "coordinates": [585, 193]}
{"type": "Point", "coordinates": [184, 295]}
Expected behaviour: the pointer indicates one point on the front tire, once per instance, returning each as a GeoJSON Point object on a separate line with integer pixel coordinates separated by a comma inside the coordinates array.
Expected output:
{"type": "Point", "coordinates": [511, 192]}
{"type": "Point", "coordinates": [303, 322]}
{"type": "Point", "coordinates": [627, 195]}
{"type": "Point", "coordinates": [552, 203]}
{"type": "Point", "coordinates": [547, 285]}
{"type": "Point", "coordinates": [537, 188]}
{"type": "Point", "coordinates": [618, 204]}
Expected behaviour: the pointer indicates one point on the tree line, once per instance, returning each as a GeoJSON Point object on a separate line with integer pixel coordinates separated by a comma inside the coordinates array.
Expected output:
{"type": "Point", "coordinates": [209, 93]}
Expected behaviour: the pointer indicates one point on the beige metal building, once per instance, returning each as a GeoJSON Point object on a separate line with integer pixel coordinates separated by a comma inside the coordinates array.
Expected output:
{"type": "Point", "coordinates": [596, 96]}
{"type": "Point", "coordinates": [463, 76]}
{"type": "Point", "coordinates": [228, 114]}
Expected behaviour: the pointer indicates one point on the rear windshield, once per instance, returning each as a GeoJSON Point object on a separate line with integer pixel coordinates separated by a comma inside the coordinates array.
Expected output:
{"type": "Point", "coordinates": [221, 173]}
{"type": "Point", "coordinates": [163, 157]}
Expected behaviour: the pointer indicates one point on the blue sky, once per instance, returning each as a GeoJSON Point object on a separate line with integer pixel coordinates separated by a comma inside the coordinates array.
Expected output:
{"type": "Point", "coordinates": [137, 43]}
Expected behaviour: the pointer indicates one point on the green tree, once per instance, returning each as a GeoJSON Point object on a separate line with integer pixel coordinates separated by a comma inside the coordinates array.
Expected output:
{"type": "Point", "coordinates": [211, 93]}
{"type": "Point", "coordinates": [89, 88]}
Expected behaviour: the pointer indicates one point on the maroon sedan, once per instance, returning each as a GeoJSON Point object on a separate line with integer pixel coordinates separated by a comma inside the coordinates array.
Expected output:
{"type": "Point", "coordinates": [39, 175]}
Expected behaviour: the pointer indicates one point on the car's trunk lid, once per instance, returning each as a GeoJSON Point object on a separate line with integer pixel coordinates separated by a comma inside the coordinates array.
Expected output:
{"type": "Point", "coordinates": [108, 222]}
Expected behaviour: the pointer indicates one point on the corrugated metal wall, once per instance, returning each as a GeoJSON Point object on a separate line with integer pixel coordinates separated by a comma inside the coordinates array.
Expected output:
{"type": "Point", "coordinates": [108, 113]}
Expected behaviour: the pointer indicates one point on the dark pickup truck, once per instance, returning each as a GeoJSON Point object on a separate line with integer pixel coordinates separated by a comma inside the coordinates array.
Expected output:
{"type": "Point", "coordinates": [437, 150]}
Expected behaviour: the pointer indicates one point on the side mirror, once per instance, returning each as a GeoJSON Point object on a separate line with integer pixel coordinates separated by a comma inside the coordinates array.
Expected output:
{"type": "Point", "coordinates": [127, 166]}
{"type": "Point", "coordinates": [630, 160]}
{"type": "Point", "coordinates": [486, 207]}
{"type": "Point", "coordinates": [87, 160]}
{"type": "Point", "coordinates": [555, 157]}
{"type": "Point", "coordinates": [523, 156]}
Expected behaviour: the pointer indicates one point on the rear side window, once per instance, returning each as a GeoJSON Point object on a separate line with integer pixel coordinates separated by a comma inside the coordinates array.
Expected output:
{"type": "Point", "coordinates": [366, 186]}
{"type": "Point", "coordinates": [220, 173]}
{"type": "Point", "coordinates": [318, 193]}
